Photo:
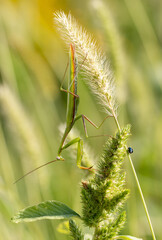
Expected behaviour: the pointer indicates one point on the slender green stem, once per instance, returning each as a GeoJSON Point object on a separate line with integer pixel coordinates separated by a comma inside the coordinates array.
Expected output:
{"type": "Point", "coordinates": [117, 123]}
{"type": "Point", "coordinates": [115, 118]}
{"type": "Point", "coordinates": [138, 184]}
{"type": "Point", "coordinates": [142, 197]}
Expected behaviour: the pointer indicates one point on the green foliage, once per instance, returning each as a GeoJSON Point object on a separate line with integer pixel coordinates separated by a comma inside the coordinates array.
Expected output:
{"type": "Point", "coordinates": [110, 230]}
{"type": "Point", "coordinates": [45, 210]}
{"type": "Point", "coordinates": [114, 153]}
{"type": "Point", "coordinates": [75, 231]}
{"type": "Point", "coordinates": [103, 195]}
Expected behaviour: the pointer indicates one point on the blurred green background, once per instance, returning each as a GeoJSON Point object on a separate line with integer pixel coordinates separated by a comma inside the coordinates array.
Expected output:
{"type": "Point", "coordinates": [32, 63]}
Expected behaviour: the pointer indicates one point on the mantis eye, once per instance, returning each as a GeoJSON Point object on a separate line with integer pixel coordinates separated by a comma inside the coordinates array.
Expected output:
{"type": "Point", "coordinates": [130, 150]}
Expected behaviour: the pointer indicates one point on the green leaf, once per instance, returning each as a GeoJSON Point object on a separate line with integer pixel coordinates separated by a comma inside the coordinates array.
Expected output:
{"type": "Point", "coordinates": [126, 237]}
{"type": "Point", "coordinates": [45, 210]}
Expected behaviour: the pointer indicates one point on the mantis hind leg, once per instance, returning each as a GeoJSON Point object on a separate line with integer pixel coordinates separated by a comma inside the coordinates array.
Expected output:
{"type": "Point", "coordinates": [93, 124]}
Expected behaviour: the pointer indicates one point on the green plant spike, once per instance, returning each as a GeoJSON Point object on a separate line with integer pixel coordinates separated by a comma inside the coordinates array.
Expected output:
{"type": "Point", "coordinates": [76, 233]}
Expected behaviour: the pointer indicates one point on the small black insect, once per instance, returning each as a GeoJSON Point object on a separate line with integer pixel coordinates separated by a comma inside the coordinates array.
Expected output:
{"type": "Point", "coordinates": [130, 150]}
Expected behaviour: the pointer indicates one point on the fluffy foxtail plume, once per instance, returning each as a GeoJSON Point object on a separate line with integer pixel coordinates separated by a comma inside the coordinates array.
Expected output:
{"type": "Point", "coordinates": [95, 65]}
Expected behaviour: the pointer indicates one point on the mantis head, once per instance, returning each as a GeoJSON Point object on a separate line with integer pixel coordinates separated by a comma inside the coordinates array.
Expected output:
{"type": "Point", "coordinates": [60, 158]}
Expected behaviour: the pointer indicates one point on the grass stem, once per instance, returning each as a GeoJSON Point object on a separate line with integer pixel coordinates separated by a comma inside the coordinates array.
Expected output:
{"type": "Point", "coordinates": [142, 197]}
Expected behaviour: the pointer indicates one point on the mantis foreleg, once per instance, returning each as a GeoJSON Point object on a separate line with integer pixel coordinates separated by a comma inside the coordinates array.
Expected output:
{"type": "Point", "coordinates": [79, 151]}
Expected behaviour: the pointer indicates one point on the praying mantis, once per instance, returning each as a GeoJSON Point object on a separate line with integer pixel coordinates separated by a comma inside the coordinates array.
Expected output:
{"type": "Point", "coordinates": [72, 106]}
{"type": "Point", "coordinates": [71, 115]}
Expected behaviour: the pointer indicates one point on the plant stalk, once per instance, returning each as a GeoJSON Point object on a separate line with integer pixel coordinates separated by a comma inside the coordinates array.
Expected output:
{"type": "Point", "coordinates": [142, 197]}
